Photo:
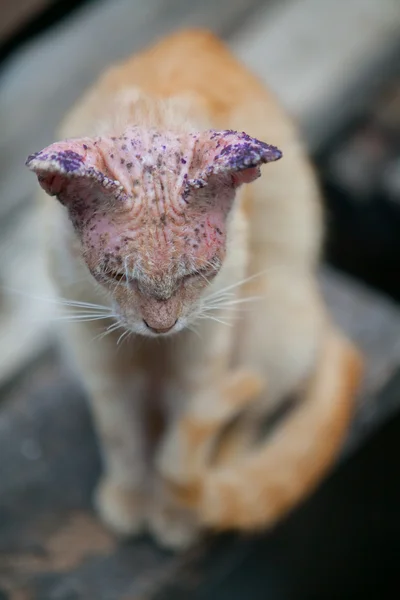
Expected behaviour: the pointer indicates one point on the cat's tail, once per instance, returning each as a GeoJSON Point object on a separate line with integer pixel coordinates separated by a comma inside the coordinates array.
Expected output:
{"type": "Point", "coordinates": [266, 484]}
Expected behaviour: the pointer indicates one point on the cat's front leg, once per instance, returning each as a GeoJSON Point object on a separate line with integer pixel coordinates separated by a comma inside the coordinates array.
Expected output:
{"type": "Point", "coordinates": [115, 389]}
{"type": "Point", "coordinates": [185, 451]}
{"type": "Point", "coordinates": [186, 447]}
{"type": "Point", "coordinates": [121, 495]}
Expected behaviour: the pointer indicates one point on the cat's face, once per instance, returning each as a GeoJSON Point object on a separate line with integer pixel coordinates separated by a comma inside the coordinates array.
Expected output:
{"type": "Point", "coordinates": [150, 209]}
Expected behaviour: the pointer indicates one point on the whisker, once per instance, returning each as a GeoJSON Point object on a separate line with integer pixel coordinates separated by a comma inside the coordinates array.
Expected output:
{"type": "Point", "coordinates": [221, 293]}
{"type": "Point", "coordinates": [220, 301]}
{"type": "Point", "coordinates": [59, 301]}
{"type": "Point", "coordinates": [212, 318]}
{"type": "Point", "coordinates": [110, 329]}
{"type": "Point", "coordinates": [127, 337]}
{"type": "Point", "coordinates": [194, 330]}
{"type": "Point", "coordinates": [226, 297]}
{"type": "Point", "coordinates": [87, 317]}
{"type": "Point", "coordinates": [231, 305]}
{"type": "Point", "coordinates": [242, 282]}
{"type": "Point", "coordinates": [126, 268]}
{"type": "Point", "coordinates": [74, 303]}
{"type": "Point", "coordinates": [121, 337]}
{"type": "Point", "coordinates": [230, 309]}
{"type": "Point", "coordinates": [203, 276]}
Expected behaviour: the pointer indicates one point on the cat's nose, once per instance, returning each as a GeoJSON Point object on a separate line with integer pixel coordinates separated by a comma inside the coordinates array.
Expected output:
{"type": "Point", "coordinates": [159, 329]}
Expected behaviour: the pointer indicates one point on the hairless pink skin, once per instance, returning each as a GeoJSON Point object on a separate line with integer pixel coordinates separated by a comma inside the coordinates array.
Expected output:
{"type": "Point", "coordinates": [150, 208]}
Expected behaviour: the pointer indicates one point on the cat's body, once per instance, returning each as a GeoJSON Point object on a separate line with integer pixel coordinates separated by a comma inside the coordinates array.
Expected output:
{"type": "Point", "coordinates": [188, 243]}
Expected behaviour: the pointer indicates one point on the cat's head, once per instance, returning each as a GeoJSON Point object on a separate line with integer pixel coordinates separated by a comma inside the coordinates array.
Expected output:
{"type": "Point", "coordinates": [150, 209]}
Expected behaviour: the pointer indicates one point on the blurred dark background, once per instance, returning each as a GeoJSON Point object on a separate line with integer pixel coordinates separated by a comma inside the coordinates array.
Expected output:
{"type": "Point", "coordinates": [336, 66]}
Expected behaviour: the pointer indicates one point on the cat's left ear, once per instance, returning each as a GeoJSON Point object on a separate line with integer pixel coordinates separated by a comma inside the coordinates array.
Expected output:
{"type": "Point", "coordinates": [74, 168]}
{"type": "Point", "coordinates": [231, 153]}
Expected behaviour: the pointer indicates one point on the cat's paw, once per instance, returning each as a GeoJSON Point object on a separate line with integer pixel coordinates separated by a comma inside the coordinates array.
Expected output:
{"type": "Point", "coordinates": [173, 530]}
{"type": "Point", "coordinates": [173, 527]}
{"type": "Point", "coordinates": [121, 508]}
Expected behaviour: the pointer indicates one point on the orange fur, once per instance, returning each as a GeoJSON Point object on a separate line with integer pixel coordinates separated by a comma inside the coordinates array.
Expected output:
{"type": "Point", "coordinates": [327, 404]}
{"type": "Point", "coordinates": [206, 470]}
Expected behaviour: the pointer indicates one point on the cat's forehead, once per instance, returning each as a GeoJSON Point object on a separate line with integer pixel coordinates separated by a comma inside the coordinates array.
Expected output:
{"type": "Point", "coordinates": [152, 148]}
{"type": "Point", "coordinates": [148, 162]}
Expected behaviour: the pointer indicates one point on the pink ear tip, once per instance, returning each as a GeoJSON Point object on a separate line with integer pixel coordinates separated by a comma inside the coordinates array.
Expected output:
{"type": "Point", "coordinates": [275, 153]}
{"type": "Point", "coordinates": [30, 159]}
{"type": "Point", "coordinates": [64, 161]}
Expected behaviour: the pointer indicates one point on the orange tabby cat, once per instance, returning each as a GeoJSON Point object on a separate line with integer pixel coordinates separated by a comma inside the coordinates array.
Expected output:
{"type": "Point", "coordinates": [164, 229]}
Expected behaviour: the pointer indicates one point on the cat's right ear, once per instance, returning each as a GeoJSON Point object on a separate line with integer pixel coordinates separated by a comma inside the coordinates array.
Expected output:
{"type": "Point", "coordinates": [73, 170]}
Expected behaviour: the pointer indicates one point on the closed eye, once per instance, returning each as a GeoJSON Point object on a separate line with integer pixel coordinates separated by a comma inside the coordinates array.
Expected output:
{"type": "Point", "coordinates": [205, 273]}
{"type": "Point", "coordinates": [117, 276]}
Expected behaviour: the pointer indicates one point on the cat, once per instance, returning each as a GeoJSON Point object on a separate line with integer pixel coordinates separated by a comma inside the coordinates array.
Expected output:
{"type": "Point", "coordinates": [202, 277]}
